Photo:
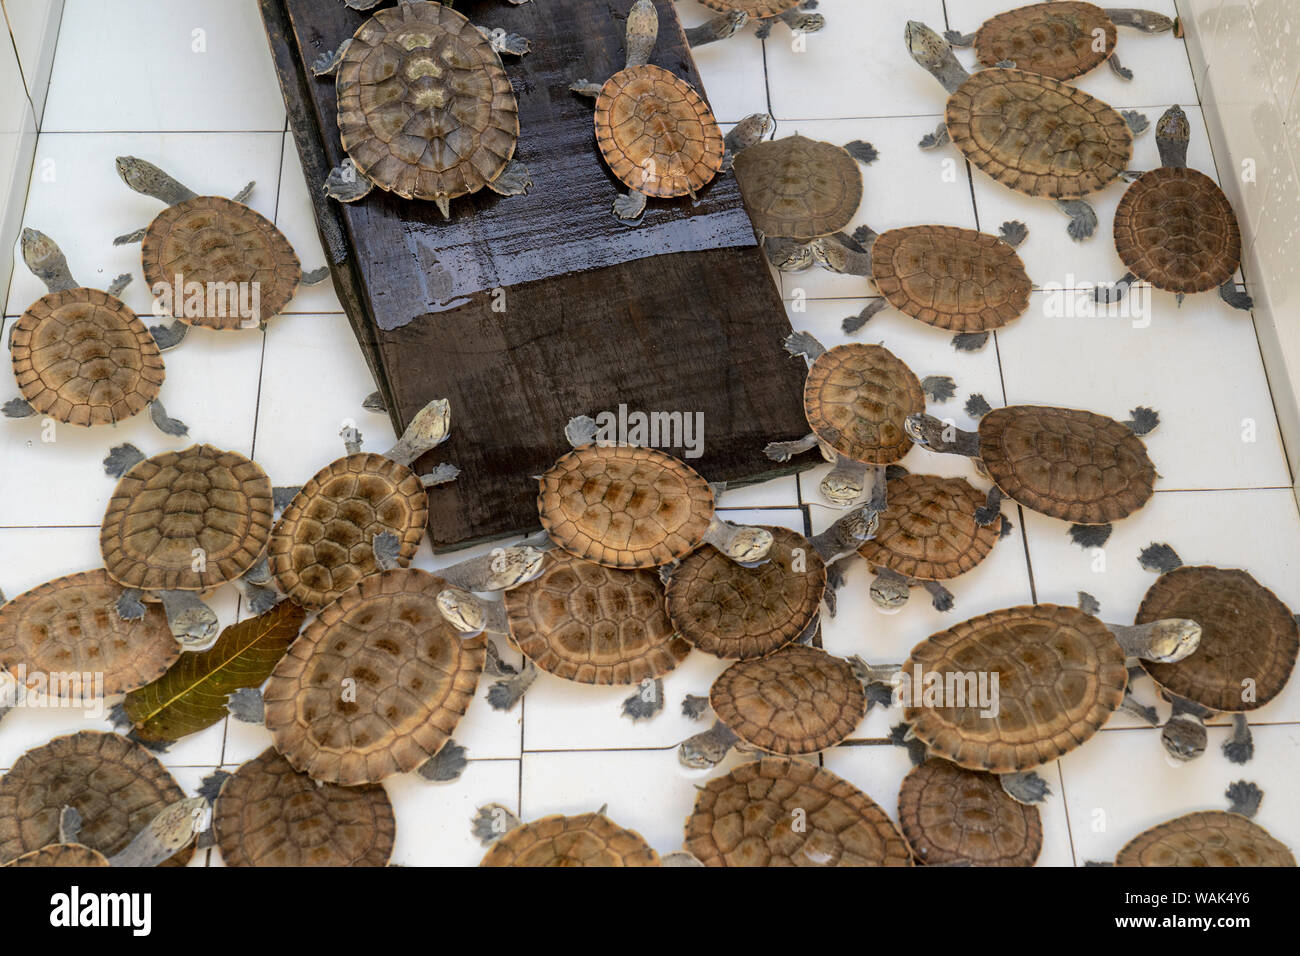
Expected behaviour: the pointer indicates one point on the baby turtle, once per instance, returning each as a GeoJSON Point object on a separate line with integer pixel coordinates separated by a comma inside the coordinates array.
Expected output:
{"type": "Point", "coordinates": [81, 356]}
{"type": "Point", "coordinates": [588, 839]}
{"type": "Point", "coordinates": [425, 108]}
{"type": "Point", "coordinates": [927, 534]}
{"type": "Point", "coordinates": [952, 816]}
{"type": "Point", "coordinates": [182, 523]}
{"type": "Point", "coordinates": [115, 785]}
{"type": "Point", "coordinates": [1058, 39]}
{"type": "Point", "coordinates": [1248, 650]}
{"type": "Point", "coordinates": [1033, 134]}
{"type": "Point", "coordinates": [1175, 228]}
{"type": "Point", "coordinates": [798, 15]}
{"type": "Point", "coordinates": [798, 700]}
{"type": "Point", "coordinates": [168, 833]}
{"type": "Point", "coordinates": [775, 811]}
{"type": "Point", "coordinates": [1061, 462]}
{"type": "Point", "coordinates": [268, 814]}
{"type": "Point", "coordinates": [857, 398]}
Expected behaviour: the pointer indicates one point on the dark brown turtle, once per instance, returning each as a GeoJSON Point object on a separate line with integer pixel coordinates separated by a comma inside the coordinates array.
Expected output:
{"type": "Point", "coordinates": [798, 15]}
{"type": "Point", "coordinates": [588, 839]}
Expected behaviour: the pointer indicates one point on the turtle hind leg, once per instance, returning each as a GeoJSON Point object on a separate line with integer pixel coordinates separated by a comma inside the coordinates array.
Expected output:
{"type": "Point", "coordinates": [1083, 218]}
{"type": "Point", "coordinates": [862, 151]}
{"type": "Point", "coordinates": [1118, 68]}
{"type": "Point", "coordinates": [957, 39]}
{"type": "Point", "coordinates": [506, 692]}
{"type": "Point", "coordinates": [1244, 798]}
{"type": "Point", "coordinates": [1144, 420]}
{"type": "Point", "coordinates": [130, 606]}
{"type": "Point", "coordinates": [785, 450]}
{"type": "Point", "coordinates": [345, 184]}
{"type": "Point", "coordinates": [647, 702]}
{"type": "Point", "coordinates": [1110, 294]}
{"type": "Point", "coordinates": [17, 408]}
{"type": "Point", "coordinates": [719, 28]}
{"type": "Point", "coordinates": [1090, 535]}
{"type": "Point", "coordinates": [447, 764]}
{"type": "Point", "coordinates": [247, 706]}
{"type": "Point", "coordinates": [991, 509]}
{"type": "Point", "coordinates": [1148, 21]}
{"type": "Point", "coordinates": [855, 322]}
{"type": "Point", "coordinates": [585, 88]}
{"type": "Point", "coordinates": [940, 597]}
{"type": "Point", "coordinates": [327, 63]}
{"type": "Point", "coordinates": [970, 341]}
{"type": "Point", "coordinates": [1130, 703]}
{"type": "Point", "coordinates": [1027, 788]}
{"type": "Point", "coordinates": [939, 388]}
{"type": "Point", "coordinates": [630, 206]}
{"type": "Point", "coordinates": [169, 336]}
{"type": "Point", "coordinates": [513, 181]}
{"type": "Point", "coordinates": [168, 426]}
{"type": "Point", "coordinates": [129, 238]}
{"type": "Point", "coordinates": [1237, 298]}
{"type": "Point", "coordinates": [939, 137]}
{"type": "Point", "coordinates": [1240, 747]}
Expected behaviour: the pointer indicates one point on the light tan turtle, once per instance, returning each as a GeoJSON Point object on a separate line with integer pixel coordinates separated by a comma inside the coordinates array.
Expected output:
{"type": "Point", "coordinates": [776, 811]}
{"type": "Point", "coordinates": [1033, 134]}
{"type": "Point", "coordinates": [81, 356]}
{"type": "Point", "coordinates": [798, 15]}
{"type": "Point", "coordinates": [588, 839]}
{"type": "Point", "coordinates": [425, 108]}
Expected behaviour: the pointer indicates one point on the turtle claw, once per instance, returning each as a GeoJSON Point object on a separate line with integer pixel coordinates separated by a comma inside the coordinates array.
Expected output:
{"type": "Point", "coordinates": [246, 705]}
{"type": "Point", "coordinates": [446, 765]}
{"type": "Point", "coordinates": [1090, 535]}
{"type": "Point", "coordinates": [130, 606]}
{"type": "Point", "coordinates": [646, 703]}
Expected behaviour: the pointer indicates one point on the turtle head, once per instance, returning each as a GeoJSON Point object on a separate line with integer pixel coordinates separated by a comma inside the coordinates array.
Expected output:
{"type": "Point", "coordinates": [842, 486]}
{"type": "Point", "coordinates": [1172, 639]}
{"type": "Point", "coordinates": [148, 180]}
{"type": "Point", "coordinates": [788, 255]}
{"type": "Point", "coordinates": [748, 546]}
{"type": "Point", "coordinates": [1173, 132]}
{"type": "Point", "coordinates": [933, 53]}
{"type": "Point", "coordinates": [463, 611]}
{"type": "Point", "coordinates": [749, 131]}
{"type": "Point", "coordinates": [511, 567]}
{"type": "Point", "coordinates": [1184, 737]}
{"type": "Point", "coordinates": [889, 592]}
{"type": "Point", "coordinates": [43, 256]}
{"type": "Point", "coordinates": [932, 433]}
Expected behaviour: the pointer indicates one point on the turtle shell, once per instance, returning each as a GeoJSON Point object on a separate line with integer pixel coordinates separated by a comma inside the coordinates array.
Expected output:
{"type": "Point", "coordinates": [323, 544]}
{"type": "Point", "coordinates": [83, 358]}
{"type": "Point", "coordinates": [413, 678]}
{"type": "Point", "coordinates": [1246, 633]}
{"type": "Point", "coordinates": [1207, 838]}
{"type": "Point", "coordinates": [116, 785]}
{"type": "Point", "coordinates": [1176, 229]}
{"type": "Point", "coordinates": [799, 700]}
{"type": "Point", "coordinates": [856, 399]}
{"type": "Point", "coordinates": [955, 279]}
{"type": "Point", "coordinates": [425, 108]}
{"type": "Point", "coordinates": [1061, 675]}
{"type": "Point", "coordinates": [70, 626]}
{"type": "Point", "coordinates": [951, 815]}
{"type": "Point", "coordinates": [624, 506]}
{"type": "Point", "coordinates": [656, 132]}
{"type": "Point", "coordinates": [268, 814]}
{"type": "Point", "coordinates": [799, 188]}
{"type": "Point", "coordinates": [746, 819]}
{"type": "Point", "coordinates": [1037, 135]}
{"type": "Point", "coordinates": [169, 510]}
{"type": "Point", "coordinates": [594, 625]}
{"type": "Point", "coordinates": [928, 531]}
{"type": "Point", "coordinates": [1055, 39]}
{"type": "Point", "coordinates": [60, 855]}
{"type": "Point", "coordinates": [591, 839]}
{"type": "Point", "coordinates": [229, 249]}
{"type": "Point", "coordinates": [1066, 463]}
{"type": "Point", "coordinates": [757, 9]}
{"type": "Point", "coordinates": [739, 613]}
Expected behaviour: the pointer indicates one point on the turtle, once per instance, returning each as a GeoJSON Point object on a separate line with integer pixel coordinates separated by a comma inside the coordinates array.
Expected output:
{"type": "Point", "coordinates": [1033, 134]}
{"type": "Point", "coordinates": [425, 108]}
{"type": "Point", "coordinates": [1248, 650]}
{"type": "Point", "coordinates": [1011, 690]}
{"type": "Point", "coordinates": [776, 811]}
{"type": "Point", "coordinates": [954, 816]}
{"type": "Point", "coordinates": [626, 506]}
{"type": "Point", "coordinates": [798, 15]}
{"type": "Point", "coordinates": [856, 399]}
{"type": "Point", "coordinates": [1175, 228]}
{"type": "Point", "coordinates": [1062, 40]}
{"type": "Point", "coordinates": [81, 356]}
{"type": "Point", "coordinates": [268, 814]}
{"type": "Point", "coordinates": [587, 839]}
{"type": "Point", "coordinates": [797, 700]}
{"type": "Point", "coordinates": [163, 837]}
{"type": "Point", "coordinates": [210, 261]}
{"type": "Point", "coordinates": [116, 787]}
{"type": "Point", "coordinates": [1065, 463]}
{"type": "Point", "coordinates": [182, 523]}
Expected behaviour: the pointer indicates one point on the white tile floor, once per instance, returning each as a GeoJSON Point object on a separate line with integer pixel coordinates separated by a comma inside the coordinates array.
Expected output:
{"type": "Point", "coordinates": [195, 92]}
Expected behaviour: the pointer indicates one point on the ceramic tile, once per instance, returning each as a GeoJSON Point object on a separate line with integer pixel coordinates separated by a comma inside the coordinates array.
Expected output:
{"type": "Point", "coordinates": [296, 219]}
{"type": "Point", "coordinates": [434, 819]}
{"type": "Point", "coordinates": [35, 27]}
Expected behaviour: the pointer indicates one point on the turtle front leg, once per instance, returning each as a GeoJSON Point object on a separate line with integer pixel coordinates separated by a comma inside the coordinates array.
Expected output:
{"type": "Point", "coordinates": [1136, 122]}
{"type": "Point", "coordinates": [646, 703]}
{"type": "Point", "coordinates": [706, 750]}
{"type": "Point", "coordinates": [719, 28]}
{"type": "Point", "coordinates": [192, 623]}
{"type": "Point", "coordinates": [1148, 21]}
{"type": "Point", "coordinates": [970, 341]}
{"type": "Point", "coordinates": [247, 706]}
{"type": "Point", "coordinates": [513, 181]}
{"type": "Point", "coordinates": [1184, 735]}
{"type": "Point", "coordinates": [1237, 298]}
{"type": "Point", "coordinates": [345, 184]}
{"type": "Point", "coordinates": [1090, 535]}
{"type": "Point", "coordinates": [17, 408]}
{"type": "Point", "coordinates": [327, 64]}
{"type": "Point", "coordinates": [586, 88]}
{"type": "Point", "coordinates": [255, 585]}
{"type": "Point", "coordinates": [315, 276]}
{"type": "Point", "coordinates": [854, 323]}
{"type": "Point", "coordinates": [1119, 69]}
{"type": "Point", "coordinates": [503, 41]}
{"type": "Point", "coordinates": [1083, 218]}
{"type": "Point", "coordinates": [130, 606]}
{"type": "Point", "coordinates": [992, 509]}
{"type": "Point", "coordinates": [121, 459]}
{"type": "Point", "coordinates": [890, 590]}
{"type": "Point", "coordinates": [940, 597]}
{"type": "Point", "coordinates": [1130, 703]}
{"type": "Point", "coordinates": [1240, 747]}
{"type": "Point", "coordinates": [446, 765]}
{"type": "Point", "coordinates": [129, 238]}
{"type": "Point", "coordinates": [492, 822]}
{"type": "Point", "coordinates": [168, 426]}
{"type": "Point", "coordinates": [169, 336]}
{"type": "Point", "coordinates": [441, 475]}
{"type": "Point", "coordinates": [513, 683]}
{"type": "Point", "coordinates": [1110, 294]}
{"type": "Point", "coordinates": [958, 39]}
{"type": "Point", "coordinates": [785, 450]}
{"type": "Point", "coordinates": [936, 139]}
{"type": "Point", "coordinates": [1027, 787]}
{"type": "Point", "coordinates": [117, 285]}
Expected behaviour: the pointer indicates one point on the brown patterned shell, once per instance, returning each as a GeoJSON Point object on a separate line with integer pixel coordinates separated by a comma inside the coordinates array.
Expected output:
{"type": "Point", "coordinates": [745, 819]}
{"type": "Point", "coordinates": [323, 543]}
{"type": "Point", "coordinates": [1207, 838]}
{"type": "Point", "coordinates": [268, 814]}
{"type": "Point", "coordinates": [740, 613]}
{"type": "Point", "coordinates": [425, 107]}
{"type": "Point", "coordinates": [757, 9]}
{"type": "Point", "coordinates": [928, 531]}
{"type": "Point", "coordinates": [60, 855]}
{"type": "Point", "coordinates": [799, 700]}
{"type": "Point", "coordinates": [856, 399]}
{"type": "Point", "coordinates": [951, 815]}
{"type": "Point", "coordinates": [1055, 39]}
{"type": "Point", "coordinates": [70, 626]}
{"type": "Point", "coordinates": [590, 839]}
{"type": "Point", "coordinates": [1061, 676]}
{"type": "Point", "coordinates": [223, 245]}
{"type": "Point", "coordinates": [624, 506]}
{"type": "Point", "coordinates": [169, 509]}
{"type": "Point", "coordinates": [414, 679]}
{"type": "Point", "coordinates": [83, 358]}
{"type": "Point", "coordinates": [799, 188]}
{"type": "Point", "coordinates": [1247, 633]}
{"type": "Point", "coordinates": [656, 132]}
{"type": "Point", "coordinates": [1176, 229]}
{"type": "Point", "coordinates": [116, 785]}
{"type": "Point", "coordinates": [1066, 463]}
{"type": "Point", "coordinates": [955, 279]}
{"type": "Point", "coordinates": [1037, 135]}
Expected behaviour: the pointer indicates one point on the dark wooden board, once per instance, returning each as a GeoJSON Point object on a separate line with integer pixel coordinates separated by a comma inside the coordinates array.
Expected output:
{"type": "Point", "coordinates": [527, 310]}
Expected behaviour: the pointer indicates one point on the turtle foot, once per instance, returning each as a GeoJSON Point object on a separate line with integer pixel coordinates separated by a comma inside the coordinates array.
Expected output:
{"type": "Point", "coordinates": [1159, 558]}
{"type": "Point", "coordinates": [1239, 751]}
{"type": "Point", "coordinates": [970, 341]}
{"type": "Point", "coordinates": [169, 336]}
{"type": "Point", "coordinates": [315, 276]}
{"type": "Point", "coordinates": [1244, 798]}
{"type": "Point", "coordinates": [166, 425]}
{"type": "Point", "coordinates": [345, 184]}
{"type": "Point", "coordinates": [977, 406]}
{"type": "Point", "coordinates": [1137, 122]}
{"type": "Point", "coordinates": [630, 206]}
{"type": "Point", "coordinates": [130, 606]}
{"type": "Point", "coordinates": [646, 703]}
{"type": "Point", "coordinates": [246, 705]}
{"type": "Point", "coordinates": [513, 181]}
{"type": "Point", "coordinates": [1237, 298]}
{"type": "Point", "coordinates": [1083, 218]}
{"type": "Point", "coordinates": [130, 238]}
{"type": "Point", "coordinates": [1027, 788]}
{"type": "Point", "coordinates": [441, 475]}
{"type": "Point", "coordinates": [939, 388]}
{"type": "Point", "coordinates": [1090, 535]}
{"type": "Point", "coordinates": [1013, 232]}
{"type": "Point", "coordinates": [694, 706]}
{"type": "Point", "coordinates": [17, 408]}
{"type": "Point", "coordinates": [939, 137]}
{"type": "Point", "coordinates": [854, 323]}
{"type": "Point", "coordinates": [1143, 421]}
{"type": "Point", "coordinates": [447, 764]}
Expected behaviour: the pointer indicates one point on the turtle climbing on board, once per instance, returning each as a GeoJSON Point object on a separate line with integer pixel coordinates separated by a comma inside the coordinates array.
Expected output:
{"type": "Point", "coordinates": [1062, 462]}
{"type": "Point", "coordinates": [1248, 650]}
{"type": "Point", "coordinates": [587, 839]}
{"type": "Point", "coordinates": [81, 356]}
{"type": "Point", "coordinates": [1062, 40]}
{"type": "Point", "coordinates": [1175, 228]}
{"type": "Point", "coordinates": [798, 15]}
{"type": "Point", "coordinates": [1033, 134]}
{"type": "Point", "coordinates": [425, 108]}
